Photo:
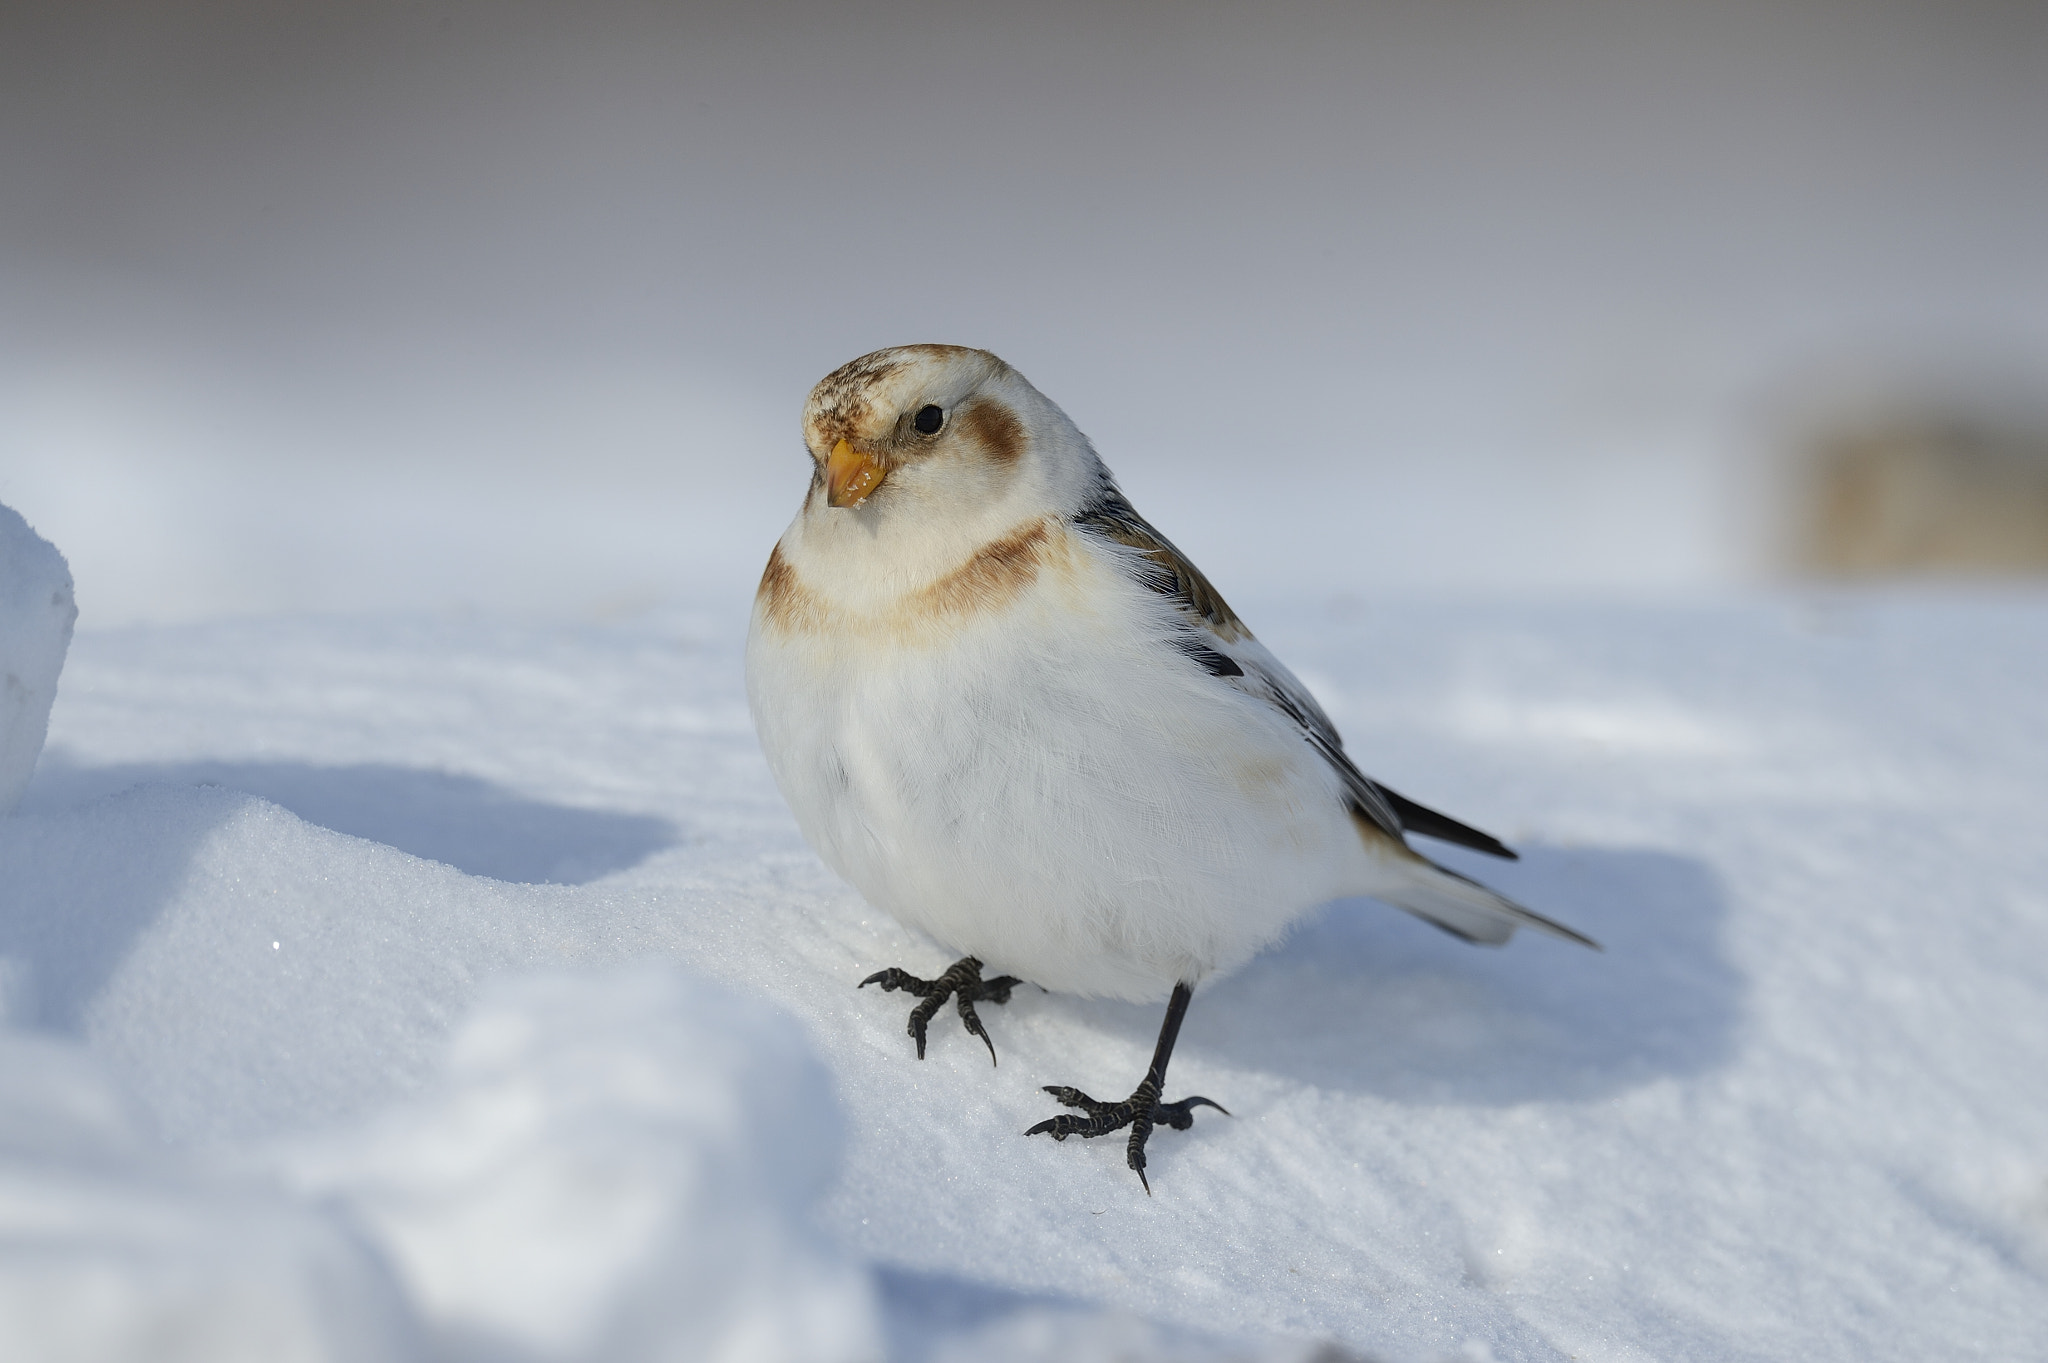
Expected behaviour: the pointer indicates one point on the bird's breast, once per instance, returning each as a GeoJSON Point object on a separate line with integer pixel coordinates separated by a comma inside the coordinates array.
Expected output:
{"type": "Point", "coordinates": [848, 594]}
{"type": "Point", "coordinates": [1026, 767]}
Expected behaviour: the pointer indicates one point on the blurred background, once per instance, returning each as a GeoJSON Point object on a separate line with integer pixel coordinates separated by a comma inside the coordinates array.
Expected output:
{"type": "Point", "coordinates": [512, 306]}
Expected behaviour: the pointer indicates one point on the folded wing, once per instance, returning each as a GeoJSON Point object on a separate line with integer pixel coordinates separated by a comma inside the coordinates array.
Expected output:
{"type": "Point", "coordinates": [1218, 640]}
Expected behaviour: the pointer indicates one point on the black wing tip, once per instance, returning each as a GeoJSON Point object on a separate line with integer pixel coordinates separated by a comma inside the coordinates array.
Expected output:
{"type": "Point", "coordinates": [1492, 846]}
{"type": "Point", "coordinates": [1532, 919]}
{"type": "Point", "coordinates": [1426, 822]}
{"type": "Point", "coordinates": [1557, 929]}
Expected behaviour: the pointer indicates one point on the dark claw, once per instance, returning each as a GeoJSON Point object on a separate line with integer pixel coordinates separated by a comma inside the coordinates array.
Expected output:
{"type": "Point", "coordinates": [1075, 1098]}
{"type": "Point", "coordinates": [1134, 1155]}
{"type": "Point", "coordinates": [1181, 1115]}
{"type": "Point", "coordinates": [921, 1016]}
{"type": "Point", "coordinates": [961, 981]}
{"type": "Point", "coordinates": [1140, 1112]}
{"type": "Point", "coordinates": [996, 990]}
{"type": "Point", "coordinates": [892, 978]}
{"type": "Point", "coordinates": [973, 1024]}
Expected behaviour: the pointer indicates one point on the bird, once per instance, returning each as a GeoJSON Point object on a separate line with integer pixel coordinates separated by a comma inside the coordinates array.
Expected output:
{"type": "Point", "coordinates": [1016, 718]}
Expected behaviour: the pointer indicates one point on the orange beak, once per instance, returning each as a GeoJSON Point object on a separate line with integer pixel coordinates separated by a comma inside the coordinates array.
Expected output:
{"type": "Point", "coordinates": [850, 476]}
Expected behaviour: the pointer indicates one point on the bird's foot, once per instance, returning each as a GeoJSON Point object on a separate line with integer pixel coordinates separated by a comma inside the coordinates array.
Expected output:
{"type": "Point", "coordinates": [1140, 1112]}
{"type": "Point", "coordinates": [961, 981]}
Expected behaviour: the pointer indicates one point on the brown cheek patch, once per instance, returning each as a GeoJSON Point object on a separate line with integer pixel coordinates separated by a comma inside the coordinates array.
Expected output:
{"type": "Point", "coordinates": [995, 428]}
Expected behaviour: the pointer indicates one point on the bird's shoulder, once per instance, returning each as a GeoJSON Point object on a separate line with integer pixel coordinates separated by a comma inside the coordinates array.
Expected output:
{"type": "Point", "coordinates": [1213, 636]}
{"type": "Point", "coordinates": [1106, 513]}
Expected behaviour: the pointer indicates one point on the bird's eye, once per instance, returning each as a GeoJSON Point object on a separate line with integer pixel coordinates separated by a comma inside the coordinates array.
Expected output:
{"type": "Point", "coordinates": [928, 420]}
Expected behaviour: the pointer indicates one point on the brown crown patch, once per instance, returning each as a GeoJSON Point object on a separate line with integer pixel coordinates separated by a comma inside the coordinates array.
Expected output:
{"type": "Point", "coordinates": [995, 428]}
{"type": "Point", "coordinates": [848, 385]}
{"type": "Point", "coordinates": [841, 406]}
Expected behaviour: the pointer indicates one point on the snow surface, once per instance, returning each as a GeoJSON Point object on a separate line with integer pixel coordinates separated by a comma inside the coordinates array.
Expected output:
{"type": "Point", "coordinates": [617, 1168]}
{"type": "Point", "coordinates": [36, 615]}
{"type": "Point", "coordinates": [113, 1248]}
{"type": "Point", "coordinates": [478, 971]}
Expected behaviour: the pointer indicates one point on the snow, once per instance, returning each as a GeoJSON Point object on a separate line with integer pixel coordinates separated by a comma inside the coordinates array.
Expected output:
{"type": "Point", "coordinates": [614, 1167]}
{"type": "Point", "coordinates": [491, 987]}
{"type": "Point", "coordinates": [36, 615]}
{"type": "Point", "coordinates": [112, 1248]}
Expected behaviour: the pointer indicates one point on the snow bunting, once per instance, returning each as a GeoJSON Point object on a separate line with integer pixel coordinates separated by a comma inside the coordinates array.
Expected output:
{"type": "Point", "coordinates": [1015, 717]}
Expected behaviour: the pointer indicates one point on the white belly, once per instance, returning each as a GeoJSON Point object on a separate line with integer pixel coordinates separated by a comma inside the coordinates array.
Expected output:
{"type": "Point", "coordinates": [1053, 790]}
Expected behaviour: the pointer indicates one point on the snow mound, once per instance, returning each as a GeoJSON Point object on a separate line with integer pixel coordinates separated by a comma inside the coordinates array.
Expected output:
{"type": "Point", "coordinates": [618, 1166]}
{"type": "Point", "coordinates": [244, 973]}
{"type": "Point", "coordinates": [113, 1248]}
{"type": "Point", "coordinates": [36, 615]}
{"type": "Point", "coordinates": [615, 1166]}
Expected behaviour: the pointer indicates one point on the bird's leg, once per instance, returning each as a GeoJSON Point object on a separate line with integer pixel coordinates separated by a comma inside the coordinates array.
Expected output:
{"type": "Point", "coordinates": [962, 981]}
{"type": "Point", "coordinates": [1142, 1110]}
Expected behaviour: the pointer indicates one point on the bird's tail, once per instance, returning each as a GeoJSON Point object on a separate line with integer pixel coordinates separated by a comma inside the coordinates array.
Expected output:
{"type": "Point", "coordinates": [1464, 908]}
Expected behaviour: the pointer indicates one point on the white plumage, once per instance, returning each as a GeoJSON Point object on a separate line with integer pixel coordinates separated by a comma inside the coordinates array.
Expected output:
{"type": "Point", "coordinates": [989, 716]}
{"type": "Point", "coordinates": [1006, 709]}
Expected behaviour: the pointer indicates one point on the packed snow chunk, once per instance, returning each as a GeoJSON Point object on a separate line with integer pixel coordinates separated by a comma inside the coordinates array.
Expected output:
{"type": "Point", "coordinates": [114, 1249]}
{"type": "Point", "coordinates": [616, 1167]}
{"type": "Point", "coordinates": [242, 972]}
{"type": "Point", "coordinates": [36, 615]}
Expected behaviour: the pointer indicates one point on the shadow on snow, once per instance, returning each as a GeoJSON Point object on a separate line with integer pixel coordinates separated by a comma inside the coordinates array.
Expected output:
{"type": "Point", "coordinates": [462, 821]}
{"type": "Point", "coordinates": [88, 863]}
{"type": "Point", "coordinates": [1363, 998]}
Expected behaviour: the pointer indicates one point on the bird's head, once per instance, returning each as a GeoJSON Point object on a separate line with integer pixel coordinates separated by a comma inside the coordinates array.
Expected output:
{"type": "Point", "coordinates": [939, 427]}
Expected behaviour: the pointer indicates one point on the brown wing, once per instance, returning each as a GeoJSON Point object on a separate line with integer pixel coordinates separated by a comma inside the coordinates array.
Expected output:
{"type": "Point", "coordinates": [1167, 570]}
{"type": "Point", "coordinates": [1217, 640]}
